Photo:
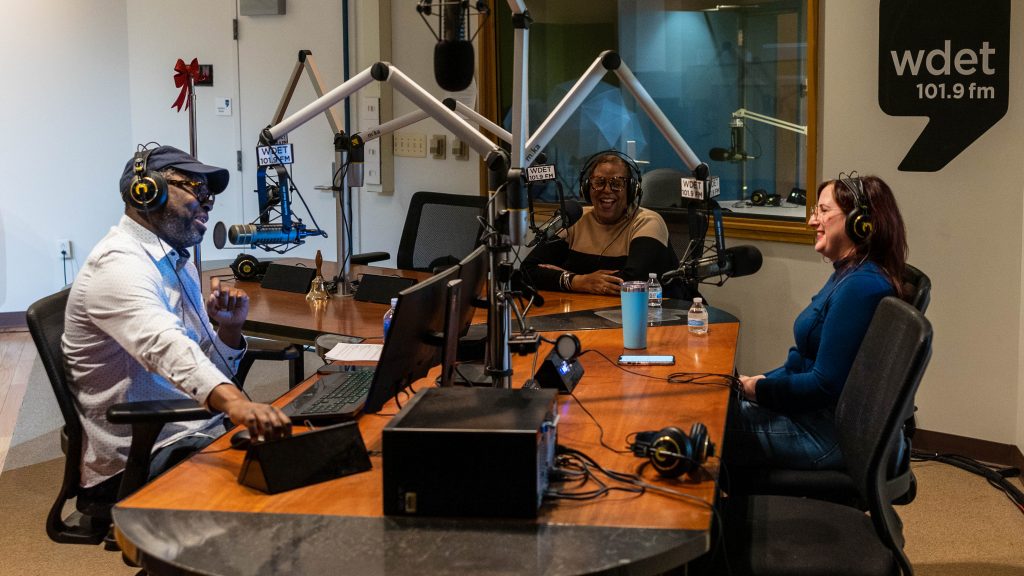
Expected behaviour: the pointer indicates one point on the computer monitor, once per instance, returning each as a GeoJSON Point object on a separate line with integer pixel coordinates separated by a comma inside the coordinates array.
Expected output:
{"type": "Point", "coordinates": [412, 347]}
{"type": "Point", "coordinates": [473, 273]}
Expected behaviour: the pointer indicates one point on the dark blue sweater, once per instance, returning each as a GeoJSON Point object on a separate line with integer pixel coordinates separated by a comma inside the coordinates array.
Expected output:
{"type": "Point", "coordinates": [828, 334]}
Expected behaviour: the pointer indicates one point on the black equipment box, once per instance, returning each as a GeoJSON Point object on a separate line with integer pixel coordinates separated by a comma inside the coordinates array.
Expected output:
{"type": "Point", "coordinates": [470, 452]}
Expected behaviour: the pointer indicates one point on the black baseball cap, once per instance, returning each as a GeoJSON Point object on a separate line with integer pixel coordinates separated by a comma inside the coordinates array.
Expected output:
{"type": "Point", "coordinates": [163, 157]}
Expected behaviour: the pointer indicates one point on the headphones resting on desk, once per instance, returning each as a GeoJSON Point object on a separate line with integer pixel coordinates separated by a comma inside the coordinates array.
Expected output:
{"type": "Point", "coordinates": [634, 189]}
{"type": "Point", "coordinates": [671, 452]}
{"type": "Point", "coordinates": [247, 267]}
{"type": "Point", "coordinates": [762, 197]}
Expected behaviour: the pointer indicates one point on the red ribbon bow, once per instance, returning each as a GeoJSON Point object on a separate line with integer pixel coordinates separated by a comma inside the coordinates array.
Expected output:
{"type": "Point", "coordinates": [182, 75]}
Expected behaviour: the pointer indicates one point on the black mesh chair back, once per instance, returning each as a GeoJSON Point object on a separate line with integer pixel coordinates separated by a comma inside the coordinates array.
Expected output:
{"type": "Point", "coordinates": [46, 324]}
{"type": "Point", "coordinates": [881, 387]}
{"type": "Point", "coordinates": [917, 288]}
{"type": "Point", "coordinates": [440, 230]}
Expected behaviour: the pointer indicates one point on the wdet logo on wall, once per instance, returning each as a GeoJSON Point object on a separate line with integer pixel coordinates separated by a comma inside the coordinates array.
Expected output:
{"type": "Point", "coordinates": [947, 60]}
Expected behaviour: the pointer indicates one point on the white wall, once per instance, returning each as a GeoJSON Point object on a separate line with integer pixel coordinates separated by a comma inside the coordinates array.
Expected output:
{"type": "Point", "coordinates": [66, 129]}
{"type": "Point", "coordinates": [965, 231]}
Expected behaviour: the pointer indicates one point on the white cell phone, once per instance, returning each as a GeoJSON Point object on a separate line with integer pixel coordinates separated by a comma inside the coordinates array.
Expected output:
{"type": "Point", "coordinates": [647, 360]}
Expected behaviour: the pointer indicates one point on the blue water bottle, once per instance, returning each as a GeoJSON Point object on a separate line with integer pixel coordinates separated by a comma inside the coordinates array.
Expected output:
{"type": "Point", "coordinates": [388, 316]}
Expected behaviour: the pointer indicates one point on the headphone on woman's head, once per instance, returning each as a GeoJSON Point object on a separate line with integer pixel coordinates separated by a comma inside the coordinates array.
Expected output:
{"type": "Point", "coordinates": [147, 191]}
{"type": "Point", "coordinates": [633, 188]}
{"type": "Point", "coordinates": [671, 452]}
{"type": "Point", "coordinates": [858, 221]}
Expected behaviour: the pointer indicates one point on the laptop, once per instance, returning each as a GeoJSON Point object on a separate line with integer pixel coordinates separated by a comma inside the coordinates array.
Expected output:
{"type": "Point", "coordinates": [412, 348]}
{"type": "Point", "coordinates": [381, 289]}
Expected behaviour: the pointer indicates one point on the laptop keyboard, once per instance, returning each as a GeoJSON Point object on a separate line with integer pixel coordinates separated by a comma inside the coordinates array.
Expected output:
{"type": "Point", "coordinates": [352, 391]}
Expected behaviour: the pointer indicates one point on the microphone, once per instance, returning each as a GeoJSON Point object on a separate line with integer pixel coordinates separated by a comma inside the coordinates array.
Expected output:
{"type": "Point", "coordinates": [729, 155]}
{"type": "Point", "coordinates": [453, 54]}
{"type": "Point", "coordinates": [355, 166]}
{"type": "Point", "coordinates": [739, 261]}
{"type": "Point", "coordinates": [253, 234]}
{"type": "Point", "coordinates": [518, 204]}
{"type": "Point", "coordinates": [562, 220]}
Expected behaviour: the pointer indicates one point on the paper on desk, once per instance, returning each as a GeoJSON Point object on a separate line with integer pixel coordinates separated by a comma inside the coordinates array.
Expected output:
{"type": "Point", "coordinates": [344, 351]}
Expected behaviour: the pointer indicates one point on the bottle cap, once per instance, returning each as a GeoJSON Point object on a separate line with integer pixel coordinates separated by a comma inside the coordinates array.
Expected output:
{"type": "Point", "coordinates": [652, 275]}
{"type": "Point", "coordinates": [394, 302]}
{"type": "Point", "coordinates": [698, 300]}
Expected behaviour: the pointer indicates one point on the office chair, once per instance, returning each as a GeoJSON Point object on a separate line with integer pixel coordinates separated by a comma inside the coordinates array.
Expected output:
{"type": "Point", "coordinates": [263, 349]}
{"type": "Point", "coordinates": [90, 522]}
{"type": "Point", "coordinates": [662, 188]}
{"type": "Point", "coordinates": [770, 534]}
{"type": "Point", "coordinates": [440, 229]}
{"type": "Point", "coordinates": [836, 485]}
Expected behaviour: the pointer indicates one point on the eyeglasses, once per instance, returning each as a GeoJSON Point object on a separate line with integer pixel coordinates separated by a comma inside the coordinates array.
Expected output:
{"type": "Point", "coordinates": [617, 184]}
{"type": "Point", "coordinates": [821, 211]}
{"type": "Point", "coordinates": [196, 188]}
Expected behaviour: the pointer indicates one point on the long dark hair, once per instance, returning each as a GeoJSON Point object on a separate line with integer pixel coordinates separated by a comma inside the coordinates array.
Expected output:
{"type": "Point", "coordinates": [887, 245]}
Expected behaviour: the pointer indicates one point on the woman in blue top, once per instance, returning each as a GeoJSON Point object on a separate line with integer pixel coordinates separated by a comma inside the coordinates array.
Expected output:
{"type": "Point", "coordinates": [786, 418]}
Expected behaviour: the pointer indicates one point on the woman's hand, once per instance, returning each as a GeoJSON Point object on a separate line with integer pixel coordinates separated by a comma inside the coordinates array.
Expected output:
{"type": "Point", "coordinates": [601, 282]}
{"type": "Point", "coordinates": [749, 384]}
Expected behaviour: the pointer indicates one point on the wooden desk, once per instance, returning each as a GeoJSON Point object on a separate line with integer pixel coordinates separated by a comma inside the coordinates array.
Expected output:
{"type": "Point", "coordinates": [288, 316]}
{"type": "Point", "coordinates": [197, 519]}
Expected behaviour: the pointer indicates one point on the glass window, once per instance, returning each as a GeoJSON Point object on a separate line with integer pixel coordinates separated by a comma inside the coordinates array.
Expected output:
{"type": "Point", "coordinates": [732, 80]}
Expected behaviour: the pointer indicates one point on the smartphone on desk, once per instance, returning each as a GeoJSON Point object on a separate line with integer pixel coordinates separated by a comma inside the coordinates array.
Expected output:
{"type": "Point", "coordinates": [647, 360]}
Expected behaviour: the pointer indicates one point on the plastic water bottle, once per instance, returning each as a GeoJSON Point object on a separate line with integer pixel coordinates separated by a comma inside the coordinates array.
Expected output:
{"type": "Point", "coordinates": [653, 291]}
{"type": "Point", "coordinates": [388, 316]}
{"type": "Point", "coordinates": [697, 317]}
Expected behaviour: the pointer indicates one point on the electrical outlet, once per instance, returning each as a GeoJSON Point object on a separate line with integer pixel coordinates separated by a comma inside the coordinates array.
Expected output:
{"type": "Point", "coordinates": [64, 249]}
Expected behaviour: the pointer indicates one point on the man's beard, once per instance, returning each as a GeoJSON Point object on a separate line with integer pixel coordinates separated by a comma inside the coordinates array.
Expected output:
{"type": "Point", "coordinates": [178, 231]}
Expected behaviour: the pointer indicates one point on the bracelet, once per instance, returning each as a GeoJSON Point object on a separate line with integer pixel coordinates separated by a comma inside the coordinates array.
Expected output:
{"type": "Point", "coordinates": [565, 281]}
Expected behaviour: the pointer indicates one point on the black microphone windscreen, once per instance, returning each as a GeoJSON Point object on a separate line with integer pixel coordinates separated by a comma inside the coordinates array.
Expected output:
{"type": "Point", "coordinates": [746, 260]}
{"type": "Point", "coordinates": [220, 235]}
{"type": "Point", "coordinates": [573, 212]}
{"type": "Point", "coordinates": [453, 64]}
{"type": "Point", "coordinates": [720, 154]}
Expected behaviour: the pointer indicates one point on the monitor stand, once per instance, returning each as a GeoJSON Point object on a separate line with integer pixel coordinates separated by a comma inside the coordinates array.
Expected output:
{"type": "Point", "coordinates": [472, 374]}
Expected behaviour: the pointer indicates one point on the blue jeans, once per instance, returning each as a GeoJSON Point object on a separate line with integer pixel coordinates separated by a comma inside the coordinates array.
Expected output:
{"type": "Point", "coordinates": [758, 437]}
{"type": "Point", "coordinates": [166, 457]}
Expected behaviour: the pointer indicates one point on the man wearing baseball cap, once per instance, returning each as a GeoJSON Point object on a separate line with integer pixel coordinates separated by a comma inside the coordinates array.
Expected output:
{"type": "Point", "coordinates": [137, 326]}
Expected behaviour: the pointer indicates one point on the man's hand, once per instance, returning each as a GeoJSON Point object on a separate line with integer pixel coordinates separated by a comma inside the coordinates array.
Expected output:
{"type": "Point", "coordinates": [228, 307]}
{"type": "Point", "coordinates": [600, 282]}
{"type": "Point", "coordinates": [265, 422]}
{"type": "Point", "coordinates": [749, 384]}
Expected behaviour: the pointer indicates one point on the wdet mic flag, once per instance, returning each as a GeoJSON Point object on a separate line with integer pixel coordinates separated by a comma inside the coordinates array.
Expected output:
{"type": "Point", "coordinates": [453, 54]}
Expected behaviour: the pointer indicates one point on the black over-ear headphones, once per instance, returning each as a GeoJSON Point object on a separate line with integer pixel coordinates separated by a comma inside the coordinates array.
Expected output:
{"type": "Point", "coordinates": [634, 189]}
{"type": "Point", "coordinates": [858, 221]}
{"type": "Point", "coordinates": [247, 267]}
{"type": "Point", "coordinates": [671, 452]}
{"type": "Point", "coordinates": [148, 190]}
{"type": "Point", "coordinates": [762, 197]}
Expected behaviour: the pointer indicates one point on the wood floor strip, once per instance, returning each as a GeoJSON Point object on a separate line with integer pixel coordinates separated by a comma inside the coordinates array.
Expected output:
{"type": "Point", "coordinates": [17, 355]}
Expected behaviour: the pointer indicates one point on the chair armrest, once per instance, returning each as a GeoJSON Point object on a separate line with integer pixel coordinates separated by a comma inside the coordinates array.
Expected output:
{"type": "Point", "coordinates": [156, 411]}
{"type": "Point", "coordinates": [262, 349]}
{"type": "Point", "coordinates": [368, 257]}
{"type": "Point", "coordinates": [147, 419]}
